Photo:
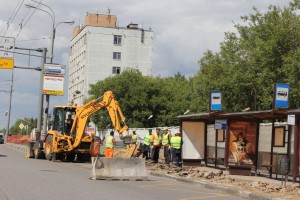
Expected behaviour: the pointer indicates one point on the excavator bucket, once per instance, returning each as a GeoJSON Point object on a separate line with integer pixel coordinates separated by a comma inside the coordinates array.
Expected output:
{"type": "Point", "coordinates": [118, 169]}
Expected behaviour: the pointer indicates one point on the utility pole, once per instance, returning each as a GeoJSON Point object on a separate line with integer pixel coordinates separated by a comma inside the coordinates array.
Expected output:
{"type": "Point", "coordinates": [9, 109]}
{"type": "Point", "coordinates": [41, 99]}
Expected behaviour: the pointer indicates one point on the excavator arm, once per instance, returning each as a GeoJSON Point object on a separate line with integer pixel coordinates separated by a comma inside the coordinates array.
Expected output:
{"type": "Point", "coordinates": [84, 112]}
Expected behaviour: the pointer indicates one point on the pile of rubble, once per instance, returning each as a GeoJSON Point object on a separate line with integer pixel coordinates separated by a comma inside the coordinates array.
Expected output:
{"type": "Point", "coordinates": [217, 176]}
{"type": "Point", "coordinates": [213, 175]}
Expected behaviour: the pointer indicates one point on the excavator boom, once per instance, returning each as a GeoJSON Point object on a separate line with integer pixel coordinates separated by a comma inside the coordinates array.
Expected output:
{"type": "Point", "coordinates": [84, 112]}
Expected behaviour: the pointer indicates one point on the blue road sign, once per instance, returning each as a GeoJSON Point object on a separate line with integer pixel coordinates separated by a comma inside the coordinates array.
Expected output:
{"type": "Point", "coordinates": [282, 95]}
{"type": "Point", "coordinates": [216, 100]}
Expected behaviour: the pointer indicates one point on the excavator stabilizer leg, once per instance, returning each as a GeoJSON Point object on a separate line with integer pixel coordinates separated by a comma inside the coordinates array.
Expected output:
{"type": "Point", "coordinates": [118, 169]}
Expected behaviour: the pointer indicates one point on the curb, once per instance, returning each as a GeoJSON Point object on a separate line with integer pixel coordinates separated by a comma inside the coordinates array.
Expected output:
{"type": "Point", "coordinates": [204, 184]}
{"type": "Point", "coordinates": [18, 147]}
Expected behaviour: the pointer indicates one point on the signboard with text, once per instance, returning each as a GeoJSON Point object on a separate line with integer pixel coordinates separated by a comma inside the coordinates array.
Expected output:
{"type": "Point", "coordinates": [7, 48]}
{"type": "Point", "coordinates": [53, 84]}
{"type": "Point", "coordinates": [54, 69]}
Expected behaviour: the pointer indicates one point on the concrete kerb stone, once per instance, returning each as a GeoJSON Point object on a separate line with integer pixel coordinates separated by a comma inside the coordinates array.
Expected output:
{"type": "Point", "coordinates": [230, 190]}
{"type": "Point", "coordinates": [18, 147]}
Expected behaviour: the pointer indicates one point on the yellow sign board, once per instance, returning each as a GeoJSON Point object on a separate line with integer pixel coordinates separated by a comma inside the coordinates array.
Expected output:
{"type": "Point", "coordinates": [6, 63]}
{"type": "Point", "coordinates": [21, 126]}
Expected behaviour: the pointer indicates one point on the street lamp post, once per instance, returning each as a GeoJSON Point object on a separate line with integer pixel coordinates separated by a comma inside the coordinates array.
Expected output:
{"type": "Point", "coordinates": [54, 26]}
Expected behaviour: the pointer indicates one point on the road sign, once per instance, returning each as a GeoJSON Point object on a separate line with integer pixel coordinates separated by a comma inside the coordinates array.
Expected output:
{"type": "Point", "coordinates": [282, 95]}
{"type": "Point", "coordinates": [54, 69]}
{"type": "Point", "coordinates": [6, 63]}
{"type": "Point", "coordinates": [215, 100]}
{"type": "Point", "coordinates": [7, 48]}
{"type": "Point", "coordinates": [21, 126]}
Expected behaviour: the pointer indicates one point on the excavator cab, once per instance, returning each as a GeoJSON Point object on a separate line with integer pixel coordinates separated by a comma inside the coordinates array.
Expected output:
{"type": "Point", "coordinates": [63, 119]}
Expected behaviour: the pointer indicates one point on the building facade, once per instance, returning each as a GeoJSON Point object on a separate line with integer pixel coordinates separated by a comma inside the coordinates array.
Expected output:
{"type": "Point", "coordinates": [100, 49]}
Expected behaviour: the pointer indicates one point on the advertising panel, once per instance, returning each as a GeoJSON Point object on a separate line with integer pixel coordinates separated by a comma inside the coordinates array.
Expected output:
{"type": "Point", "coordinates": [53, 85]}
{"type": "Point", "coordinates": [242, 149]}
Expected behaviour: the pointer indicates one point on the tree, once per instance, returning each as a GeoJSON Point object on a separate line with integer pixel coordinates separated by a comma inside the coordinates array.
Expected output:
{"type": "Point", "coordinates": [31, 122]}
{"type": "Point", "coordinates": [142, 96]}
{"type": "Point", "coordinates": [265, 50]}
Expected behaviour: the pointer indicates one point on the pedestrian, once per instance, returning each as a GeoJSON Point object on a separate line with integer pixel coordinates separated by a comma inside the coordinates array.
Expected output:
{"type": "Point", "coordinates": [147, 141]}
{"type": "Point", "coordinates": [176, 144]}
{"type": "Point", "coordinates": [166, 138]}
{"type": "Point", "coordinates": [156, 144]}
{"type": "Point", "coordinates": [110, 145]}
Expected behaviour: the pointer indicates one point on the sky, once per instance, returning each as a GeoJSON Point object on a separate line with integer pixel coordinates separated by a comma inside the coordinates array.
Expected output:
{"type": "Point", "coordinates": [183, 31]}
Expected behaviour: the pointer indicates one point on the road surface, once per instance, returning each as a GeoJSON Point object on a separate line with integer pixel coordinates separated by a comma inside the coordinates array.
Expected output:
{"type": "Point", "coordinates": [30, 179]}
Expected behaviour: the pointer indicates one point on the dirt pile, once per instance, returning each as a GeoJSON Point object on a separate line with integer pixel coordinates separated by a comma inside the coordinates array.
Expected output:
{"type": "Point", "coordinates": [218, 176]}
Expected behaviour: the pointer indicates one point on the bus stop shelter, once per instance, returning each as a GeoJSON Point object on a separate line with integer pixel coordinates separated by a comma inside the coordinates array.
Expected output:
{"type": "Point", "coordinates": [240, 126]}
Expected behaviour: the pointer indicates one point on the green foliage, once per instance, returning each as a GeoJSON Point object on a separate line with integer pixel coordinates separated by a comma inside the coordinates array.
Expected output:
{"type": "Point", "coordinates": [141, 96]}
{"type": "Point", "coordinates": [15, 129]}
{"type": "Point", "coordinates": [264, 51]}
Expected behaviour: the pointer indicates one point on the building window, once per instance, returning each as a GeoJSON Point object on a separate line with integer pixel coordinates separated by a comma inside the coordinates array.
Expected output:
{"type": "Point", "coordinates": [117, 39]}
{"type": "Point", "coordinates": [117, 55]}
{"type": "Point", "coordinates": [116, 70]}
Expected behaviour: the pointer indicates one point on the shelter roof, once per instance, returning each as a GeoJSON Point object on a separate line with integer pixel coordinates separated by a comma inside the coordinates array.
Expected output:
{"type": "Point", "coordinates": [250, 115]}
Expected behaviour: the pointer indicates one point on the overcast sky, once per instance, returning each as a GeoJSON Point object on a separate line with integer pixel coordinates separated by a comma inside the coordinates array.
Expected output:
{"type": "Point", "coordinates": [183, 31]}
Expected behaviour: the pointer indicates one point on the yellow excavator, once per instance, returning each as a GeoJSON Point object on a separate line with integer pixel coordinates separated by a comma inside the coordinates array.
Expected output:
{"type": "Point", "coordinates": [63, 143]}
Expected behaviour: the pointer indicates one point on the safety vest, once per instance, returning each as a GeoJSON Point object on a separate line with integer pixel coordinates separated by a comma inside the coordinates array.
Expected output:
{"type": "Point", "coordinates": [176, 142]}
{"type": "Point", "coordinates": [134, 137]}
{"type": "Point", "coordinates": [147, 139]}
{"type": "Point", "coordinates": [109, 142]}
{"type": "Point", "coordinates": [165, 139]}
{"type": "Point", "coordinates": [156, 140]}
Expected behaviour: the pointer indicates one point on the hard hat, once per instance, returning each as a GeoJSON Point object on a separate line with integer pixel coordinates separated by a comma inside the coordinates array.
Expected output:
{"type": "Point", "coordinates": [165, 128]}
{"type": "Point", "coordinates": [134, 130]}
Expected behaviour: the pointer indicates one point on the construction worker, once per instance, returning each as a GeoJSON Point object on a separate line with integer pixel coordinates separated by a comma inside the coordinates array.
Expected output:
{"type": "Point", "coordinates": [166, 138]}
{"type": "Point", "coordinates": [176, 143]}
{"type": "Point", "coordinates": [110, 145]}
{"type": "Point", "coordinates": [147, 140]}
{"type": "Point", "coordinates": [134, 136]}
{"type": "Point", "coordinates": [156, 144]}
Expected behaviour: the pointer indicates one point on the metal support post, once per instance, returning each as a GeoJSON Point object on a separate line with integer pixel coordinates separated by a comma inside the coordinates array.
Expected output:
{"type": "Point", "coordinates": [9, 109]}
{"type": "Point", "coordinates": [41, 99]}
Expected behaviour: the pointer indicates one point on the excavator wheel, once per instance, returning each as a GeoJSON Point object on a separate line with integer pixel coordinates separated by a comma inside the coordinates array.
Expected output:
{"type": "Point", "coordinates": [70, 157]}
{"type": "Point", "coordinates": [83, 157]}
{"type": "Point", "coordinates": [48, 147]}
{"type": "Point", "coordinates": [38, 152]}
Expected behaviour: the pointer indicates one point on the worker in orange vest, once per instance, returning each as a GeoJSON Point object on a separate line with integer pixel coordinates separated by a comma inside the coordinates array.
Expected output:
{"type": "Point", "coordinates": [156, 144]}
{"type": "Point", "coordinates": [110, 145]}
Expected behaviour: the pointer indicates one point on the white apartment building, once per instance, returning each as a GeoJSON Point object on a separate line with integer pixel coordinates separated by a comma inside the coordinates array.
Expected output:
{"type": "Point", "coordinates": [100, 49]}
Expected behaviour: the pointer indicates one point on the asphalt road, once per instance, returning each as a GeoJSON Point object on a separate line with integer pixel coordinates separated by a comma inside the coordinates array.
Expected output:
{"type": "Point", "coordinates": [29, 179]}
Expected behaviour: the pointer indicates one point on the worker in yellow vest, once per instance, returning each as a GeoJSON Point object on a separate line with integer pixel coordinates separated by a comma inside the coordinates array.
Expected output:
{"type": "Point", "coordinates": [176, 144]}
{"type": "Point", "coordinates": [147, 141]}
{"type": "Point", "coordinates": [156, 144]}
{"type": "Point", "coordinates": [110, 145]}
{"type": "Point", "coordinates": [166, 138]}
{"type": "Point", "coordinates": [134, 136]}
